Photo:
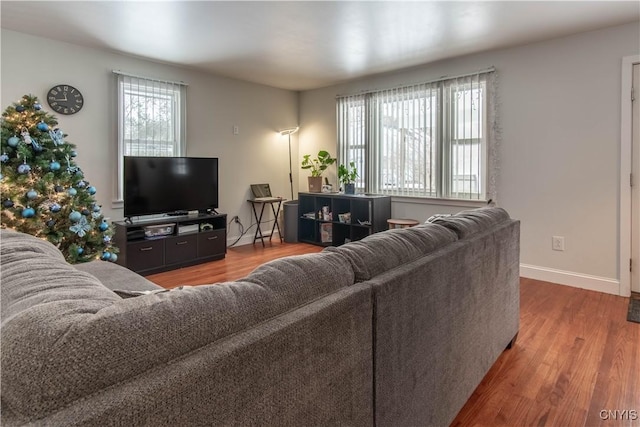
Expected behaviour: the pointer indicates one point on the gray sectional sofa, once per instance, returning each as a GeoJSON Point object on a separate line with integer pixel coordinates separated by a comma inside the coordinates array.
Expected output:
{"type": "Point", "coordinates": [396, 329]}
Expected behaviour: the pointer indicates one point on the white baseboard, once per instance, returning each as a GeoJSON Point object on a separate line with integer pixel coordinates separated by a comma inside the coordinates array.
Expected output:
{"type": "Point", "coordinates": [569, 278]}
{"type": "Point", "coordinates": [247, 239]}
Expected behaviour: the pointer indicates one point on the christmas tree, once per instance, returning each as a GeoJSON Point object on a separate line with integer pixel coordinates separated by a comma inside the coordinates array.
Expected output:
{"type": "Point", "coordinates": [43, 191]}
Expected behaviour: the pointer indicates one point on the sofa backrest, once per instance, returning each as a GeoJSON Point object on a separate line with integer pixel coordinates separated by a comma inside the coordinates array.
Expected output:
{"type": "Point", "coordinates": [381, 252]}
{"type": "Point", "coordinates": [66, 336]}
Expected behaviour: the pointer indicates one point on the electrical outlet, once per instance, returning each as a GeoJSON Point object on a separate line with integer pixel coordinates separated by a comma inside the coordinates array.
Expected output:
{"type": "Point", "coordinates": [557, 243]}
{"type": "Point", "coordinates": [236, 219]}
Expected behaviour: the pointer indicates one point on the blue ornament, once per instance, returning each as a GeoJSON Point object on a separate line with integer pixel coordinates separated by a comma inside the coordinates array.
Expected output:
{"type": "Point", "coordinates": [32, 194]}
{"type": "Point", "coordinates": [75, 216]}
{"type": "Point", "coordinates": [81, 184]}
{"type": "Point", "coordinates": [28, 213]}
{"type": "Point", "coordinates": [8, 203]}
{"type": "Point", "coordinates": [72, 191]}
{"type": "Point", "coordinates": [51, 223]}
{"type": "Point", "coordinates": [96, 208]}
{"type": "Point", "coordinates": [4, 158]}
{"type": "Point", "coordinates": [54, 166]}
{"type": "Point", "coordinates": [24, 168]}
{"type": "Point", "coordinates": [85, 212]}
{"type": "Point", "coordinates": [43, 126]}
{"type": "Point", "coordinates": [37, 106]}
{"type": "Point", "coordinates": [104, 226]}
{"type": "Point", "coordinates": [58, 188]}
{"type": "Point", "coordinates": [81, 227]}
{"type": "Point", "coordinates": [73, 153]}
{"type": "Point", "coordinates": [20, 108]}
{"type": "Point", "coordinates": [105, 256]}
{"type": "Point", "coordinates": [113, 258]}
{"type": "Point", "coordinates": [106, 240]}
{"type": "Point", "coordinates": [55, 208]}
{"type": "Point", "coordinates": [13, 141]}
{"type": "Point", "coordinates": [80, 250]}
{"type": "Point", "coordinates": [91, 190]}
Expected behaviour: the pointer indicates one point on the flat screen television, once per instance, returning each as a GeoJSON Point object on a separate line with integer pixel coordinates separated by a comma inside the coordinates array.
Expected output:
{"type": "Point", "coordinates": [169, 185]}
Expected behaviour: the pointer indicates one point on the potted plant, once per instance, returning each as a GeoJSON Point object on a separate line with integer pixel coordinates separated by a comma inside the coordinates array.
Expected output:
{"type": "Point", "coordinates": [347, 177]}
{"type": "Point", "coordinates": [317, 165]}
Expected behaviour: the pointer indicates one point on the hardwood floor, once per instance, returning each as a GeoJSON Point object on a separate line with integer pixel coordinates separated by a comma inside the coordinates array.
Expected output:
{"type": "Point", "coordinates": [576, 354]}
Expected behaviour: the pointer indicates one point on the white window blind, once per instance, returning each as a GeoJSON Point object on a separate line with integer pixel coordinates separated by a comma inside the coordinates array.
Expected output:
{"type": "Point", "coordinates": [426, 140]}
{"type": "Point", "coordinates": [151, 119]}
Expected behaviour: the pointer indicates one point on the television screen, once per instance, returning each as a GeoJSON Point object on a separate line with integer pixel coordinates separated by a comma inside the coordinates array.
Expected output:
{"type": "Point", "coordinates": [155, 185]}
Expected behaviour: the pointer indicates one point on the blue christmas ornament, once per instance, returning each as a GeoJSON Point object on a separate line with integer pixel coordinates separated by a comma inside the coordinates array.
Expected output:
{"type": "Point", "coordinates": [32, 194]}
{"type": "Point", "coordinates": [75, 216]}
{"type": "Point", "coordinates": [73, 153]}
{"type": "Point", "coordinates": [8, 203]}
{"type": "Point", "coordinates": [55, 208]}
{"type": "Point", "coordinates": [4, 158]}
{"type": "Point", "coordinates": [13, 141]}
{"type": "Point", "coordinates": [58, 188]}
{"type": "Point", "coordinates": [81, 227]}
{"type": "Point", "coordinates": [81, 184]}
{"type": "Point", "coordinates": [20, 108]}
{"type": "Point", "coordinates": [80, 250]}
{"type": "Point", "coordinates": [57, 136]}
{"type": "Point", "coordinates": [91, 190]}
{"type": "Point", "coordinates": [113, 258]}
{"type": "Point", "coordinates": [106, 240]}
{"type": "Point", "coordinates": [37, 106]}
{"type": "Point", "coordinates": [96, 208]}
{"type": "Point", "coordinates": [24, 168]}
{"type": "Point", "coordinates": [51, 223]}
{"type": "Point", "coordinates": [43, 126]}
{"type": "Point", "coordinates": [28, 213]}
{"type": "Point", "coordinates": [105, 256]}
{"type": "Point", "coordinates": [54, 166]}
{"type": "Point", "coordinates": [72, 191]}
{"type": "Point", "coordinates": [104, 226]}
{"type": "Point", "coordinates": [85, 212]}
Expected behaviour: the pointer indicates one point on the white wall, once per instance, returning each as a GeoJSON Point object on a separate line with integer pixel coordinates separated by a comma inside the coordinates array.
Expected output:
{"type": "Point", "coordinates": [559, 172]}
{"type": "Point", "coordinates": [32, 65]}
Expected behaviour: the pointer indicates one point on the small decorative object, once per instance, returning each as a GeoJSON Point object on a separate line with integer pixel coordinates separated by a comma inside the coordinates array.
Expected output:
{"type": "Point", "coordinates": [13, 141]}
{"type": "Point", "coordinates": [54, 166]}
{"type": "Point", "coordinates": [326, 187]}
{"type": "Point", "coordinates": [24, 169]}
{"type": "Point", "coordinates": [96, 208]}
{"type": "Point", "coordinates": [58, 188]}
{"type": "Point", "coordinates": [80, 250]}
{"type": "Point", "coordinates": [104, 226]}
{"type": "Point", "coordinates": [26, 136]}
{"type": "Point", "coordinates": [37, 106]}
{"type": "Point", "coordinates": [42, 126]}
{"type": "Point", "coordinates": [65, 99]}
{"type": "Point", "coordinates": [81, 226]}
{"type": "Point", "coordinates": [57, 137]}
{"type": "Point", "coordinates": [32, 194]}
{"type": "Point", "coordinates": [55, 207]}
{"type": "Point", "coordinates": [317, 165]}
{"type": "Point", "coordinates": [105, 256]}
{"type": "Point", "coordinates": [81, 184]}
{"type": "Point", "coordinates": [74, 153]}
{"type": "Point", "coordinates": [20, 108]}
{"type": "Point", "coordinates": [72, 191]}
{"type": "Point", "coordinates": [91, 190]}
{"type": "Point", "coordinates": [51, 223]}
{"type": "Point", "coordinates": [75, 216]}
{"type": "Point", "coordinates": [4, 158]}
{"type": "Point", "coordinates": [326, 233]}
{"type": "Point", "coordinates": [85, 212]}
{"type": "Point", "coordinates": [7, 203]}
{"type": "Point", "coordinates": [113, 257]}
{"type": "Point", "coordinates": [345, 218]}
{"type": "Point", "coordinates": [28, 212]}
{"type": "Point", "coordinates": [348, 176]}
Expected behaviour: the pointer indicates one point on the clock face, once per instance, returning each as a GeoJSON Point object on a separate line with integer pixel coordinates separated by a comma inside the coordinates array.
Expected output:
{"type": "Point", "coordinates": [65, 99]}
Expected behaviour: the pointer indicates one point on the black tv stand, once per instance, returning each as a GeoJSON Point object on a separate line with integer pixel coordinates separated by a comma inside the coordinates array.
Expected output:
{"type": "Point", "coordinates": [195, 239]}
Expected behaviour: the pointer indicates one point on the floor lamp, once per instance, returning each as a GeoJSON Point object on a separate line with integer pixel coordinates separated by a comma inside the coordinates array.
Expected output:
{"type": "Point", "coordinates": [290, 132]}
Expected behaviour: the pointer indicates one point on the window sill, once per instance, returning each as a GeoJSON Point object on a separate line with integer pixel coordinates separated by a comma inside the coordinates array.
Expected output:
{"type": "Point", "coordinates": [439, 202]}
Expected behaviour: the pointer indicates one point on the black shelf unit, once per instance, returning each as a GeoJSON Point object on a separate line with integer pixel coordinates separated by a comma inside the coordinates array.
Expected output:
{"type": "Point", "coordinates": [207, 241]}
{"type": "Point", "coordinates": [368, 214]}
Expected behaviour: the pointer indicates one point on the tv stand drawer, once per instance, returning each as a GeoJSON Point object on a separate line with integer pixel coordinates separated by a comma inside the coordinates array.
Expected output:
{"type": "Point", "coordinates": [145, 255]}
{"type": "Point", "coordinates": [212, 243]}
{"type": "Point", "coordinates": [180, 248]}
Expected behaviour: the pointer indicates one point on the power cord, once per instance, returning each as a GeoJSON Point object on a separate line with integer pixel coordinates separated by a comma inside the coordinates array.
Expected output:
{"type": "Point", "coordinates": [242, 229]}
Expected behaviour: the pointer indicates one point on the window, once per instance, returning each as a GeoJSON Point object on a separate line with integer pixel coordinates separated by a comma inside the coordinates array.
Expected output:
{"type": "Point", "coordinates": [151, 120]}
{"type": "Point", "coordinates": [427, 140]}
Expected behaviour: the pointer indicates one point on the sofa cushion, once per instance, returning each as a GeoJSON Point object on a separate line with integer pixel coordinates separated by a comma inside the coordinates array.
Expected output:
{"type": "Point", "coordinates": [473, 221]}
{"type": "Point", "coordinates": [74, 337]}
{"type": "Point", "coordinates": [383, 251]}
{"type": "Point", "coordinates": [16, 242]}
{"type": "Point", "coordinates": [114, 276]}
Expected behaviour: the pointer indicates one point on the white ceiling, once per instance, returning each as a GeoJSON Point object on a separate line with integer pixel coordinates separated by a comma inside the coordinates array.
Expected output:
{"type": "Point", "coordinates": [307, 44]}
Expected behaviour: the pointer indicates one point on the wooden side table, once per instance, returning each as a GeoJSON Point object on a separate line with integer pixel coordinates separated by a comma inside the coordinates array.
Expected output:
{"type": "Point", "coordinates": [263, 202]}
{"type": "Point", "coordinates": [401, 223]}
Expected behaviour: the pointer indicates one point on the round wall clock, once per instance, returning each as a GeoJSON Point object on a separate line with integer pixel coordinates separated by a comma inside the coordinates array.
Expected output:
{"type": "Point", "coordinates": [65, 99]}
